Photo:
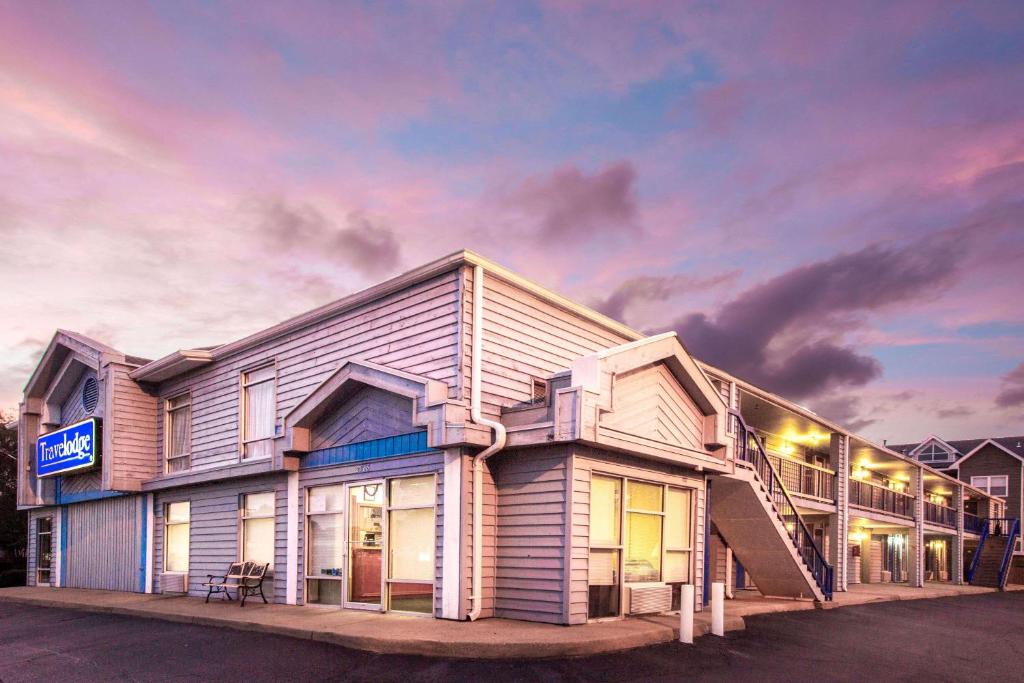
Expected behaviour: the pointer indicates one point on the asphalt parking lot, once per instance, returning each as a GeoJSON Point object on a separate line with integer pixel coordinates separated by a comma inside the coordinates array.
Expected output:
{"type": "Point", "coordinates": [974, 638]}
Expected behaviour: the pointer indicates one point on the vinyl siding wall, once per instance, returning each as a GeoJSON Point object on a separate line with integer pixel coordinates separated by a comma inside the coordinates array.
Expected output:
{"type": "Point", "coordinates": [993, 461]}
{"type": "Point", "coordinates": [524, 337]}
{"type": "Point", "coordinates": [214, 530]}
{"type": "Point", "coordinates": [414, 330]}
{"type": "Point", "coordinates": [531, 554]}
{"type": "Point", "coordinates": [586, 461]}
{"type": "Point", "coordinates": [384, 468]}
{"type": "Point", "coordinates": [132, 424]}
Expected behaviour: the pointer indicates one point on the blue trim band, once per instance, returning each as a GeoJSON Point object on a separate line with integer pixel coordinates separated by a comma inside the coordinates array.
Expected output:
{"type": "Point", "coordinates": [83, 496]}
{"type": "Point", "coordinates": [386, 447]}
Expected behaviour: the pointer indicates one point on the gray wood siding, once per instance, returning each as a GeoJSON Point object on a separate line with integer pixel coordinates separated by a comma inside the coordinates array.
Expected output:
{"type": "Point", "coordinates": [414, 330]}
{"type": "Point", "coordinates": [215, 528]}
{"type": "Point", "coordinates": [370, 413]}
{"type": "Point", "coordinates": [530, 549]}
{"type": "Point", "coordinates": [993, 461]}
{"type": "Point", "coordinates": [384, 468]}
{"type": "Point", "coordinates": [72, 411]}
{"type": "Point", "coordinates": [103, 544]}
{"type": "Point", "coordinates": [649, 403]}
{"type": "Point", "coordinates": [524, 337]}
{"type": "Point", "coordinates": [589, 460]}
{"type": "Point", "coordinates": [132, 424]}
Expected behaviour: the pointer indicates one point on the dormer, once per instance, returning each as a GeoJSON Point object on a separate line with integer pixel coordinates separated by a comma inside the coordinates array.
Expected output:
{"type": "Point", "coordinates": [935, 452]}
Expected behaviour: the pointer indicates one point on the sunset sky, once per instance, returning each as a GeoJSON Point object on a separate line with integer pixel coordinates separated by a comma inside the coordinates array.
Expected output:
{"type": "Point", "coordinates": [824, 198]}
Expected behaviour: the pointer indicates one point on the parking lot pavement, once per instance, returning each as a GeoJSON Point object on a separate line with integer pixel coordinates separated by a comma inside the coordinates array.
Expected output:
{"type": "Point", "coordinates": [967, 638]}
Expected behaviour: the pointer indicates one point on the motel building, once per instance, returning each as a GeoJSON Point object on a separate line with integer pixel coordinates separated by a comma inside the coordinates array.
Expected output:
{"type": "Point", "coordinates": [461, 443]}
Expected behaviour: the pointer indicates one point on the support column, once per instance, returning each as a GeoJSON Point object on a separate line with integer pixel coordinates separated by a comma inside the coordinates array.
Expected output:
{"type": "Point", "coordinates": [839, 523]}
{"type": "Point", "coordinates": [916, 549]}
{"type": "Point", "coordinates": [958, 544]}
{"type": "Point", "coordinates": [291, 581]}
{"type": "Point", "coordinates": [451, 560]}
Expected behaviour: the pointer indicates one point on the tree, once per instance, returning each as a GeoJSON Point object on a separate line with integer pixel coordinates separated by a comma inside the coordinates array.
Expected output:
{"type": "Point", "coordinates": [13, 524]}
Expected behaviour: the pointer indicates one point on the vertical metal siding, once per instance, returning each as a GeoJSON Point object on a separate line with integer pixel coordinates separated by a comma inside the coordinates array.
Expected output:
{"type": "Point", "coordinates": [103, 544]}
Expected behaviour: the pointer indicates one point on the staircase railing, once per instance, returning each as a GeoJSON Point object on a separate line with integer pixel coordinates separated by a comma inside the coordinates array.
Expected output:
{"type": "Point", "coordinates": [750, 450]}
{"type": "Point", "coordinates": [1011, 525]}
{"type": "Point", "coordinates": [1011, 541]}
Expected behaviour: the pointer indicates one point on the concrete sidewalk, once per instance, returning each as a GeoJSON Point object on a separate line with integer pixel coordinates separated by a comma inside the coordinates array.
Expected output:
{"type": "Point", "coordinates": [485, 639]}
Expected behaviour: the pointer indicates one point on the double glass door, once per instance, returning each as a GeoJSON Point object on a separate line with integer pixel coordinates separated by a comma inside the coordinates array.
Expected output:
{"type": "Point", "coordinates": [371, 545]}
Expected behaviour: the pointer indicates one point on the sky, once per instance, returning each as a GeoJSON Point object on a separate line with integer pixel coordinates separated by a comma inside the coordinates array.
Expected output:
{"type": "Point", "coordinates": [826, 199]}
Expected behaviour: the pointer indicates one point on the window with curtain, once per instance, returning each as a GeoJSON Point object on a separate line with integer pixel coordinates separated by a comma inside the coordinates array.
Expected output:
{"type": "Point", "coordinates": [644, 518]}
{"type": "Point", "coordinates": [258, 528]}
{"type": "Point", "coordinates": [259, 412]}
{"type": "Point", "coordinates": [678, 539]}
{"type": "Point", "coordinates": [996, 485]}
{"type": "Point", "coordinates": [411, 539]}
{"type": "Point", "coordinates": [605, 546]}
{"type": "Point", "coordinates": [325, 555]}
{"type": "Point", "coordinates": [176, 536]}
{"type": "Point", "coordinates": [178, 426]}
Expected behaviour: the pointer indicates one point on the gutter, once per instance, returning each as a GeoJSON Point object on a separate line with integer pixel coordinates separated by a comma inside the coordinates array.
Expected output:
{"type": "Point", "coordinates": [476, 596]}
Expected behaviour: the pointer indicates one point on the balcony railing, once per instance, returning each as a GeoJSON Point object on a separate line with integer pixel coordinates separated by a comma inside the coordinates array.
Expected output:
{"type": "Point", "coordinates": [806, 479]}
{"type": "Point", "coordinates": [875, 497]}
{"type": "Point", "coordinates": [973, 524]}
{"type": "Point", "coordinates": [939, 514]}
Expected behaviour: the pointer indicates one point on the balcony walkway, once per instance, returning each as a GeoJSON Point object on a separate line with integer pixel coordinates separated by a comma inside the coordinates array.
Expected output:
{"type": "Point", "coordinates": [485, 639]}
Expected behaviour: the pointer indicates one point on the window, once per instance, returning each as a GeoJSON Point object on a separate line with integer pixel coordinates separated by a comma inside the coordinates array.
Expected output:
{"type": "Point", "coordinates": [178, 427]}
{"type": "Point", "coordinates": [678, 521]}
{"type": "Point", "coordinates": [259, 412]}
{"type": "Point", "coordinates": [176, 521]}
{"type": "Point", "coordinates": [996, 485]}
{"type": "Point", "coordinates": [44, 550]}
{"type": "Point", "coordinates": [644, 518]}
{"type": "Point", "coordinates": [605, 546]}
{"type": "Point", "coordinates": [540, 391]}
{"type": "Point", "coordinates": [411, 538]}
{"type": "Point", "coordinates": [933, 452]}
{"type": "Point", "coordinates": [325, 557]}
{"type": "Point", "coordinates": [258, 528]}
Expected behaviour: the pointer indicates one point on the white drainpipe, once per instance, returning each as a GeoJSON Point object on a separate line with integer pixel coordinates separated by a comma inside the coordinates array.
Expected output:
{"type": "Point", "coordinates": [478, 461]}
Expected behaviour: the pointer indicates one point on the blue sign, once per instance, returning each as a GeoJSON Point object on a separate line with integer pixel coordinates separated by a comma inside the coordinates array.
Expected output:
{"type": "Point", "coordinates": [68, 449]}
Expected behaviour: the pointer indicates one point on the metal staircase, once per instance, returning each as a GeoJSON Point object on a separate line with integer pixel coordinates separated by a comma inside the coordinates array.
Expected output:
{"type": "Point", "coordinates": [756, 476]}
{"type": "Point", "coordinates": [990, 565]}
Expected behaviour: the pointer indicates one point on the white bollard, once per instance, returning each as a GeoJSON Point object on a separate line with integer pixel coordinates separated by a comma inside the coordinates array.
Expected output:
{"type": "Point", "coordinates": [718, 609]}
{"type": "Point", "coordinates": [686, 614]}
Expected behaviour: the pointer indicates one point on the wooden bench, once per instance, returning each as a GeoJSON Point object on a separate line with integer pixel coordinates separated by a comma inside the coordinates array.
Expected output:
{"type": "Point", "coordinates": [246, 578]}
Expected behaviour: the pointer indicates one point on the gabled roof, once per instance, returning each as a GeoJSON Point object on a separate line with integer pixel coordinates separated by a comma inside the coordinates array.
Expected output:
{"type": "Point", "coordinates": [991, 442]}
{"type": "Point", "coordinates": [64, 343]}
{"type": "Point", "coordinates": [1011, 444]}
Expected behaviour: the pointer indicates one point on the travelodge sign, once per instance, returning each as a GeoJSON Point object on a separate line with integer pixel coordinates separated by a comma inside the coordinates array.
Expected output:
{"type": "Point", "coordinates": [69, 449]}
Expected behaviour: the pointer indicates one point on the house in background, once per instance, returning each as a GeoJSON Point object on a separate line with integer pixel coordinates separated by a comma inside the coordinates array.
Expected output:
{"type": "Point", "coordinates": [994, 465]}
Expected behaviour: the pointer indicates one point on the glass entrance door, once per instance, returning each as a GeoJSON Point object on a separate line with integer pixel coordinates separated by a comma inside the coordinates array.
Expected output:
{"type": "Point", "coordinates": [363, 585]}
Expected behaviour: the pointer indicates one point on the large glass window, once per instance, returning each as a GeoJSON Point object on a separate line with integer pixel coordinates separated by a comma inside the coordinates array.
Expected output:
{"type": "Point", "coordinates": [259, 412]}
{"type": "Point", "coordinates": [996, 485]}
{"type": "Point", "coordinates": [605, 546]}
{"type": "Point", "coordinates": [678, 532]}
{"type": "Point", "coordinates": [258, 528]}
{"type": "Point", "coordinates": [644, 517]}
{"type": "Point", "coordinates": [933, 452]}
{"type": "Point", "coordinates": [178, 426]}
{"type": "Point", "coordinates": [326, 544]}
{"type": "Point", "coordinates": [44, 550]}
{"type": "Point", "coordinates": [411, 539]}
{"type": "Point", "coordinates": [176, 523]}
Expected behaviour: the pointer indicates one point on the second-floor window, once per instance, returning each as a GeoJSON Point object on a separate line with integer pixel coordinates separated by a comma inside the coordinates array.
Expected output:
{"type": "Point", "coordinates": [996, 485]}
{"type": "Point", "coordinates": [933, 453]}
{"type": "Point", "coordinates": [259, 412]}
{"type": "Point", "coordinates": [179, 428]}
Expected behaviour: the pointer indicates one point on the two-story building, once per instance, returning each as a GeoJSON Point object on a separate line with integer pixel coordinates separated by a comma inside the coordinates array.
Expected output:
{"type": "Point", "coordinates": [462, 443]}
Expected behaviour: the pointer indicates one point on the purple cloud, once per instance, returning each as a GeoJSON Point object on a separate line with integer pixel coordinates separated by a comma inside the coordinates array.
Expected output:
{"type": "Point", "coordinates": [656, 288]}
{"type": "Point", "coordinates": [1012, 393]}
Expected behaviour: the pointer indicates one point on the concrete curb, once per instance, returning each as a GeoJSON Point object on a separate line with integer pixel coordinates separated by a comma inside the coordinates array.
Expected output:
{"type": "Point", "coordinates": [650, 633]}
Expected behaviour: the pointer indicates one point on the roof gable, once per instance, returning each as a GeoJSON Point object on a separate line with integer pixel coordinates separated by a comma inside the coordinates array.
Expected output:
{"type": "Point", "coordinates": [990, 442]}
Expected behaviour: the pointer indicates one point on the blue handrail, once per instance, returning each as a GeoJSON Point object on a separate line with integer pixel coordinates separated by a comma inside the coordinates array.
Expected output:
{"type": "Point", "coordinates": [977, 553]}
{"type": "Point", "coordinates": [1011, 541]}
{"type": "Point", "coordinates": [750, 450]}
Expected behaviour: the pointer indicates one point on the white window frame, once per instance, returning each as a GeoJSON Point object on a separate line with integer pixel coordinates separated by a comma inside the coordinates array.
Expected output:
{"type": "Point", "coordinates": [243, 518]}
{"type": "Point", "coordinates": [168, 411]}
{"type": "Point", "coordinates": [386, 544]}
{"type": "Point", "coordinates": [244, 385]}
{"type": "Point", "coordinates": [51, 568]}
{"type": "Point", "coordinates": [167, 545]}
{"type": "Point", "coordinates": [933, 449]}
{"type": "Point", "coordinates": [985, 483]}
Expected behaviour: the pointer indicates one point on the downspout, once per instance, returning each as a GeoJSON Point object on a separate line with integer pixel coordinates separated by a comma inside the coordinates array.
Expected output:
{"type": "Point", "coordinates": [478, 461]}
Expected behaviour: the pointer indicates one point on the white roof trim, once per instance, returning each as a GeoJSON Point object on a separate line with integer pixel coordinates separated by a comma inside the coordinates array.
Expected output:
{"type": "Point", "coordinates": [931, 437]}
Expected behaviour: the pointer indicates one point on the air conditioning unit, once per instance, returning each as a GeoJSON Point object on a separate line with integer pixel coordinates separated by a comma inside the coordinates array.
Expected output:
{"type": "Point", "coordinates": [174, 583]}
{"type": "Point", "coordinates": [648, 598]}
